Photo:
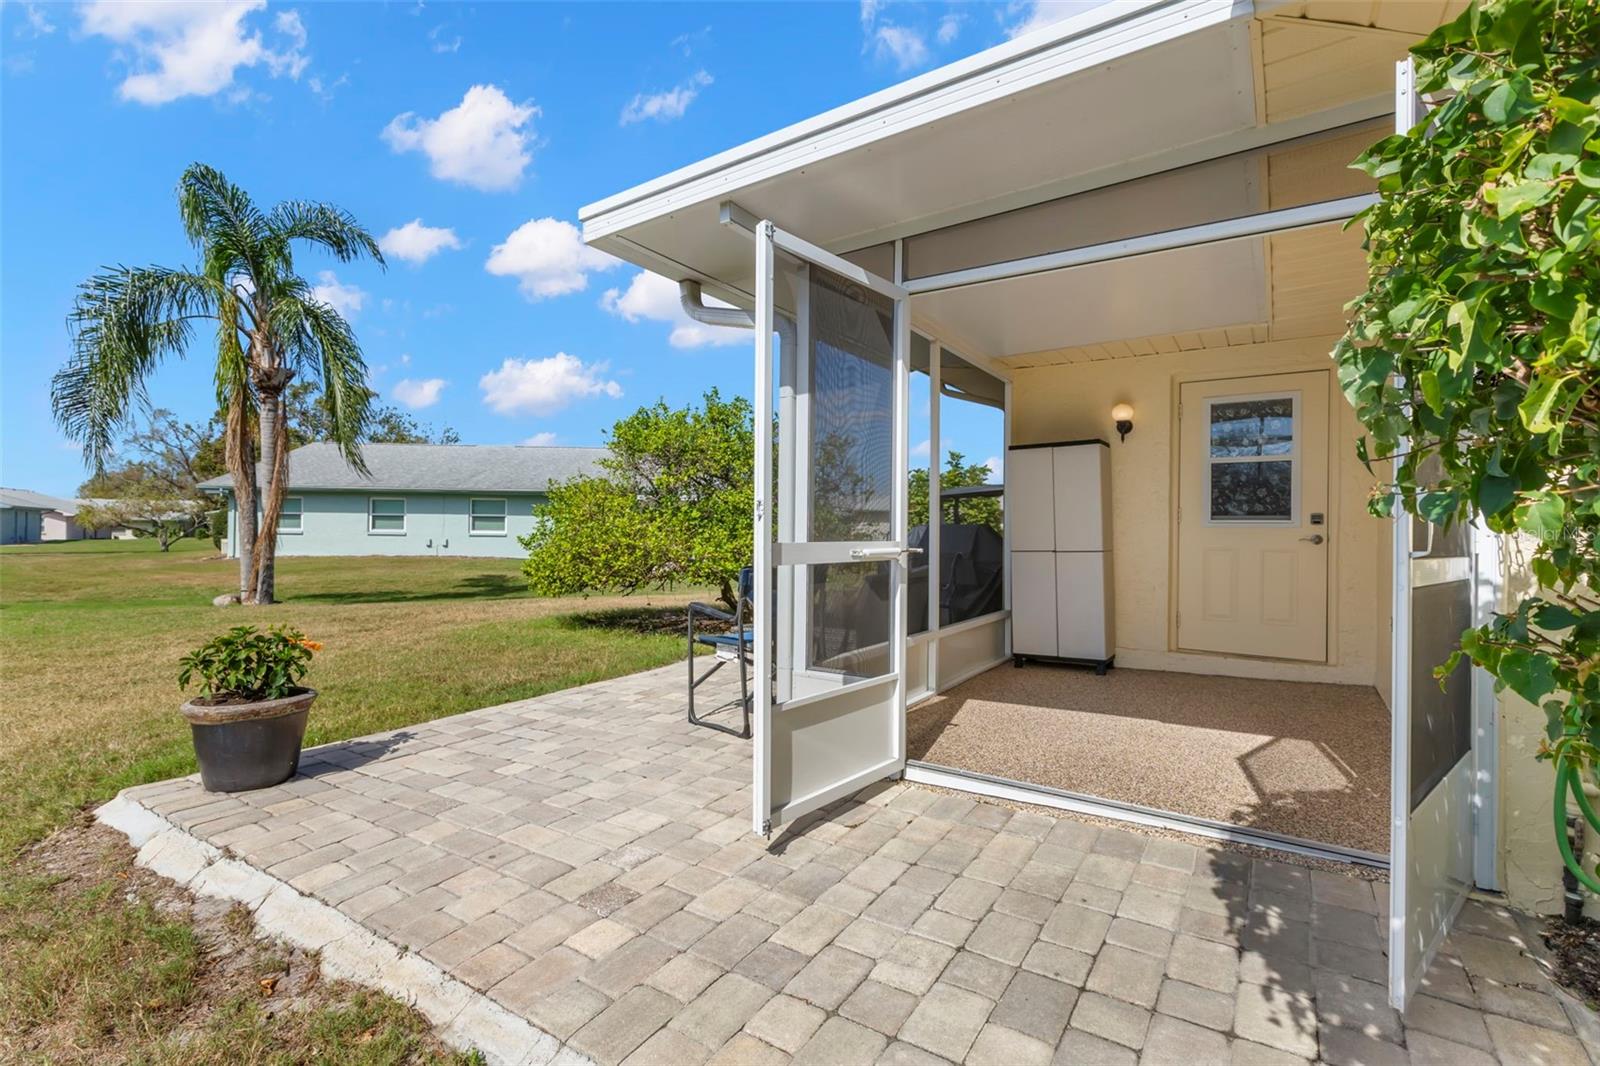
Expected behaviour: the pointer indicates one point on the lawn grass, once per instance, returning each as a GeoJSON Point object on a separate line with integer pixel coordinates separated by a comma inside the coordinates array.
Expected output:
{"type": "Point", "coordinates": [92, 632]}
{"type": "Point", "coordinates": [97, 964]}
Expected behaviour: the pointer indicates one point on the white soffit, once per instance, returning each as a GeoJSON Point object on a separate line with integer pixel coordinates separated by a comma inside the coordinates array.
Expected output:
{"type": "Point", "coordinates": [1124, 81]}
{"type": "Point", "coordinates": [1203, 287]}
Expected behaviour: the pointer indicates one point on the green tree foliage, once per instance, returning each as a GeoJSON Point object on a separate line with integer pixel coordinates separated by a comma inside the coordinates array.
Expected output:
{"type": "Point", "coordinates": [958, 473]}
{"type": "Point", "coordinates": [310, 419]}
{"type": "Point", "coordinates": [1473, 358]}
{"type": "Point", "coordinates": [165, 452]}
{"type": "Point", "coordinates": [672, 506]}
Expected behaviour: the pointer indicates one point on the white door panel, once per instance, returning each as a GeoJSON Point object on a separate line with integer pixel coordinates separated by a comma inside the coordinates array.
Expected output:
{"type": "Point", "coordinates": [1030, 516]}
{"type": "Point", "coordinates": [1081, 520]}
{"type": "Point", "coordinates": [1253, 528]}
{"type": "Point", "coordinates": [1033, 602]}
{"type": "Point", "coordinates": [1083, 605]}
{"type": "Point", "coordinates": [830, 662]}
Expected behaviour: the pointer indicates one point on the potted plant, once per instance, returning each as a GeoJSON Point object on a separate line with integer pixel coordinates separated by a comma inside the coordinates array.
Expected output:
{"type": "Point", "coordinates": [250, 715]}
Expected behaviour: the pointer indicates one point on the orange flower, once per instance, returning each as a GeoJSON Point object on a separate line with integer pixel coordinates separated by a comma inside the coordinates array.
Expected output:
{"type": "Point", "coordinates": [309, 645]}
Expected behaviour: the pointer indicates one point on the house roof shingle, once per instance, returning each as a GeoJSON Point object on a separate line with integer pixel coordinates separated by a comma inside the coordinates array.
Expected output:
{"type": "Point", "coordinates": [24, 499]}
{"type": "Point", "coordinates": [434, 468]}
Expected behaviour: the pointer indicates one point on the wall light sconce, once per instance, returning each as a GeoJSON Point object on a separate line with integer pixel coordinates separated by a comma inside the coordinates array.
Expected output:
{"type": "Point", "coordinates": [1122, 415]}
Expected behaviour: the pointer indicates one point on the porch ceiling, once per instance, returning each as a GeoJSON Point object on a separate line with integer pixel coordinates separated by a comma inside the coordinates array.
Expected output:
{"type": "Point", "coordinates": [1122, 91]}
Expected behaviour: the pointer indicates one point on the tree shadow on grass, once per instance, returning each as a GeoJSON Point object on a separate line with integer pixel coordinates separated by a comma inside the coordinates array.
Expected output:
{"type": "Point", "coordinates": [648, 619]}
{"type": "Point", "coordinates": [477, 587]}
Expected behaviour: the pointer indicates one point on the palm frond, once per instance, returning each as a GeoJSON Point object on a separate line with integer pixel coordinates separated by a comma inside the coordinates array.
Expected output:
{"type": "Point", "coordinates": [316, 338]}
{"type": "Point", "coordinates": [223, 222]}
{"type": "Point", "coordinates": [326, 226]}
{"type": "Point", "coordinates": [123, 322]}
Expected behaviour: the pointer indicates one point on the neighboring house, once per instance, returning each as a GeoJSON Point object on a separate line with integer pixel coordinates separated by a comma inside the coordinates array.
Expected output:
{"type": "Point", "coordinates": [61, 523]}
{"type": "Point", "coordinates": [22, 515]}
{"type": "Point", "coordinates": [415, 499]}
{"type": "Point", "coordinates": [1123, 234]}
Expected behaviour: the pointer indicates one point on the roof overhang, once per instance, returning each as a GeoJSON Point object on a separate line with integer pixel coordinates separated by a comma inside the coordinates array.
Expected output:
{"type": "Point", "coordinates": [1125, 90]}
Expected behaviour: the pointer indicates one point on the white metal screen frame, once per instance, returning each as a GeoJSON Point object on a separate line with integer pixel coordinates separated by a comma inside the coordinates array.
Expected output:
{"type": "Point", "coordinates": [771, 241]}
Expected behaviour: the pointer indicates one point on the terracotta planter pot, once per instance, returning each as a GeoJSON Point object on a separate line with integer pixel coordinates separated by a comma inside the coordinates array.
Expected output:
{"type": "Point", "coordinates": [242, 746]}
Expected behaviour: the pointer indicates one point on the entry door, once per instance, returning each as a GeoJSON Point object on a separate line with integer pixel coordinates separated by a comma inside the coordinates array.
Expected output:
{"type": "Point", "coordinates": [1432, 776]}
{"type": "Point", "coordinates": [1253, 528]}
{"type": "Point", "coordinates": [831, 547]}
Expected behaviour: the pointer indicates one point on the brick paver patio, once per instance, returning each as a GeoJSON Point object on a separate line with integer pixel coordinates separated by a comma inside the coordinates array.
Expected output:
{"type": "Point", "coordinates": [585, 859]}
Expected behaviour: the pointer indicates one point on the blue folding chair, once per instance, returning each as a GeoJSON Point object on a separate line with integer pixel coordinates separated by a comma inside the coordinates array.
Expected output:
{"type": "Point", "coordinates": [726, 648]}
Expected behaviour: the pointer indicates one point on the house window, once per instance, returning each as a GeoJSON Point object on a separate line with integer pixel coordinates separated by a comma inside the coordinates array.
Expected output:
{"type": "Point", "coordinates": [291, 519]}
{"type": "Point", "coordinates": [487, 518]}
{"type": "Point", "coordinates": [386, 514]}
{"type": "Point", "coordinates": [1253, 449]}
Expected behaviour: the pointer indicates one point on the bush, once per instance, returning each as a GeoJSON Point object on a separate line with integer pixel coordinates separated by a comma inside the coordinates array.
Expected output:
{"type": "Point", "coordinates": [1473, 357]}
{"type": "Point", "coordinates": [248, 665]}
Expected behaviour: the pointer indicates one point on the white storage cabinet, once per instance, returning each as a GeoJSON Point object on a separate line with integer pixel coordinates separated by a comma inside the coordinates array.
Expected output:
{"type": "Point", "coordinates": [1059, 499]}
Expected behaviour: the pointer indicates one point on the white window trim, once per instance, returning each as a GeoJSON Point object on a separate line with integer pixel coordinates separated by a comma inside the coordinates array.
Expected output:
{"type": "Point", "coordinates": [404, 516]}
{"type": "Point", "coordinates": [301, 500]}
{"type": "Point", "coordinates": [1293, 456]}
{"type": "Point", "coordinates": [504, 516]}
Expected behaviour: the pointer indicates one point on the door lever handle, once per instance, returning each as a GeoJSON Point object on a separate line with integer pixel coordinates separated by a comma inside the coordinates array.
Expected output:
{"type": "Point", "coordinates": [1315, 538]}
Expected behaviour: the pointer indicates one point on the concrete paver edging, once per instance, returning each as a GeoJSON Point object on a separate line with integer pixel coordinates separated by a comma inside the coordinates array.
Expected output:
{"type": "Point", "coordinates": [465, 1018]}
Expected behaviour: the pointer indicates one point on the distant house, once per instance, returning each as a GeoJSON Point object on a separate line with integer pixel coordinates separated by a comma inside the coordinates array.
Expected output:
{"type": "Point", "coordinates": [416, 499]}
{"type": "Point", "coordinates": [22, 515]}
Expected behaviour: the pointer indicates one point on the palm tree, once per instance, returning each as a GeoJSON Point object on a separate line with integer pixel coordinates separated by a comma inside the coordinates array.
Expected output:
{"type": "Point", "coordinates": [270, 328]}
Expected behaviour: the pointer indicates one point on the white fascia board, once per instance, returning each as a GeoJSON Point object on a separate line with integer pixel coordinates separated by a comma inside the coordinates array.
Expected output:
{"type": "Point", "coordinates": [1096, 37]}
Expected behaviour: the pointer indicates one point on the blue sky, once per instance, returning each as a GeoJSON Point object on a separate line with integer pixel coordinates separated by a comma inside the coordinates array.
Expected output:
{"type": "Point", "coordinates": [466, 135]}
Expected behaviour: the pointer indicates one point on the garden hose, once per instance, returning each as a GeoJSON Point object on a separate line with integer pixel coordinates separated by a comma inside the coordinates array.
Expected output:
{"type": "Point", "coordinates": [1569, 780]}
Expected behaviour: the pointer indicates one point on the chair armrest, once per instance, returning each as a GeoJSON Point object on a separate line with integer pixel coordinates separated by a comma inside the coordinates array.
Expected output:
{"type": "Point", "coordinates": [710, 611]}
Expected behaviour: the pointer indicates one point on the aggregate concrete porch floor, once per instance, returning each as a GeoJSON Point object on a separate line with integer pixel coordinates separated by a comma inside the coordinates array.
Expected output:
{"type": "Point", "coordinates": [1306, 760]}
{"type": "Point", "coordinates": [585, 860]}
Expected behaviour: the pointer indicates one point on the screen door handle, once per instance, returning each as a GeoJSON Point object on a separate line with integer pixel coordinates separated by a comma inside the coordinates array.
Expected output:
{"type": "Point", "coordinates": [882, 553]}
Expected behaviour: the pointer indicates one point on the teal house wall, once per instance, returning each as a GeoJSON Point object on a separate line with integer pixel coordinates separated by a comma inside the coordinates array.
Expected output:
{"type": "Point", "coordinates": [436, 523]}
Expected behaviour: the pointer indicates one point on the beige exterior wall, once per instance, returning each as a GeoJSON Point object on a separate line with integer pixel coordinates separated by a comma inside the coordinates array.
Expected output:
{"type": "Point", "coordinates": [1069, 402]}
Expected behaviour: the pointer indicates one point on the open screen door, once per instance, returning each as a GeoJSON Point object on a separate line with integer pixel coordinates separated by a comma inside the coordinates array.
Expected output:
{"type": "Point", "coordinates": [1433, 774]}
{"type": "Point", "coordinates": [832, 351]}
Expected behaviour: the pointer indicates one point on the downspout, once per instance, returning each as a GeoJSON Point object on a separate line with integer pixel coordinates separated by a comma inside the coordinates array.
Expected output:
{"type": "Point", "coordinates": [694, 305]}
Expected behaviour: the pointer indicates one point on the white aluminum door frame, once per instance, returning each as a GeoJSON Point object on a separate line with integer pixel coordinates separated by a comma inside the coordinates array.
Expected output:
{"type": "Point", "coordinates": [1430, 877]}
{"type": "Point", "coordinates": [768, 555]}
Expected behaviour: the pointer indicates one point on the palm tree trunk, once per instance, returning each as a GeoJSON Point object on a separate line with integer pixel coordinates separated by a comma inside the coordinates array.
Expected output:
{"type": "Point", "coordinates": [274, 459]}
{"type": "Point", "coordinates": [239, 455]}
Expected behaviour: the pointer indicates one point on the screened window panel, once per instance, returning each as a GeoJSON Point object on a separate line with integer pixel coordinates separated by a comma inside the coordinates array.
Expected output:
{"type": "Point", "coordinates": [850, 618]}
{"type": "Point", "coordinates": [852, 427]}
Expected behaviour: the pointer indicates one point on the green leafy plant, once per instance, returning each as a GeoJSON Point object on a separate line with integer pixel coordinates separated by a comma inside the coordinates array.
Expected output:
{"type": "Point", "coordinates": [247, 664]}
{"type": "Point", "coordinates": [1473, 358]}
{"type": "Point", "coordinates": [672, 504]}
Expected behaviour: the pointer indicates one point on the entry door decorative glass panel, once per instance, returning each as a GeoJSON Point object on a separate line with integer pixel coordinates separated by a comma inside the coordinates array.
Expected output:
{"type": "Point", "coordinates": [1252, 453]}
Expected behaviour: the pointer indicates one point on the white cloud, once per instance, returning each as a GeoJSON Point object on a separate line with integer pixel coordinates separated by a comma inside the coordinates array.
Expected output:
{"type": "Point", "coordinates": [485, 141]}
{"type": "Point", "coordinates": [345, 299]}
{"type": "Point", "coordinates": [545, 386]}
{"type": "Point", "coordinates": [547, 257]}
{"type": "Point", "coordinates": [869, 12]}
{"type": "Point", "coordinates": [666, 105]}
{"type": "Point", "coordinates": [194, 49]}
{"type": "Point", "coordinates": [540, 440]}
{"type": "Point", "coordinates": [997, 470]}
{"type": "Point", "coordinates": [906, 46]}
{"type": "Point", "coordinates": [418, 394]}
{"type": "Point", "coordinates": [1025, 16]}
{"type": "Point", "coordinates": [949, 28]}
{"type": "Point", "coordinates": [653, 297]}
{"type": "Point", "coordinates": [416, 243]}
{"type": "Point", "coordinates": [441, 43]}
{"type": "Point", "coordinates": [921, 449]}
{"type": "Point", "coordinates": [35, 22]}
